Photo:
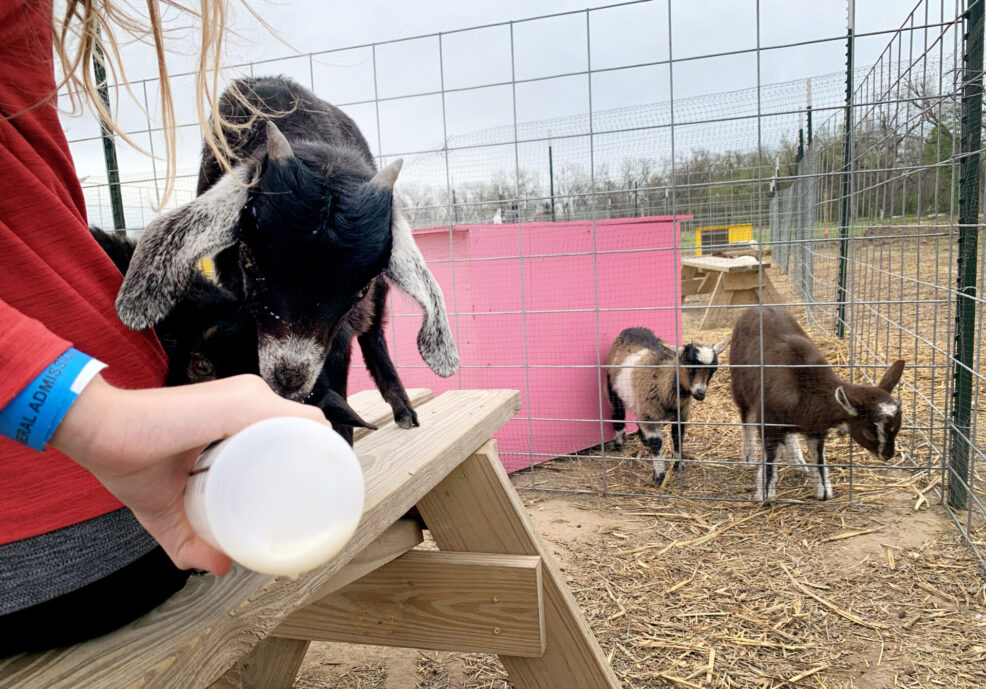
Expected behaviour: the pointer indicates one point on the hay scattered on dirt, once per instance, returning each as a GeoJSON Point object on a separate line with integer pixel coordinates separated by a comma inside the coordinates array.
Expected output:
{"type": "Point", "coordinates": [715, 594]}
{"type": "Point", "coordinates": [365, 676]}
{"type": "Point", "coordinates": [726, 596]}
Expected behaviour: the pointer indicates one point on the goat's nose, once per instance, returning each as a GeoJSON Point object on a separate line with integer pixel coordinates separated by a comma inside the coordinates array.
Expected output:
{"type": "Point", "coordinates": [289, 379]}
{"type": "Point", "coordinates": [698, 392]}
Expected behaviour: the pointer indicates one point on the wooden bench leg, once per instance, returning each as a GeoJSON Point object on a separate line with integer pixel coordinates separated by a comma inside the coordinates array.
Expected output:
{"type": "Point", "coordinates": [272, 664]}
{"type": "Point", "coordinates": [708, 279]}
{"type": "Point", "coordinates": [476, 509]}
{"type": "Point", "coordinates": [768, 293]}
{"type": "Point", "coordinates": [713, 312]}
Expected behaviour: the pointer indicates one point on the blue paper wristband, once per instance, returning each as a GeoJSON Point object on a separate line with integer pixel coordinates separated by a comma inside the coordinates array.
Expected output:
{"type": "Point", "coordinates": [33, 415]}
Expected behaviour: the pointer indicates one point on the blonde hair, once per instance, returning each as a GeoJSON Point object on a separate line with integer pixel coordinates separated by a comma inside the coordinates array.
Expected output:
{"type": "Point", "coordinates": [87, 29]}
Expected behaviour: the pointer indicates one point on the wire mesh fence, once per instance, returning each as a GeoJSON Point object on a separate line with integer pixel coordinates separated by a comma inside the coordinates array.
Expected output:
{"type": "Point", "coordinates": [559, 197]}
{"type": "Point", "coordinates": [882, 253]}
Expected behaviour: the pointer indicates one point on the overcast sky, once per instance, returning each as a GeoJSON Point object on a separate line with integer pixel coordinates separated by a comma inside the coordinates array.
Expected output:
{"type": "Point", "coordinates": [614, 37]}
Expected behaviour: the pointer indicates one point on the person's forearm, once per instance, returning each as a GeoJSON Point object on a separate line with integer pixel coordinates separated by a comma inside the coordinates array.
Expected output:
{"type": "Point", "coordinates": [141, 445]}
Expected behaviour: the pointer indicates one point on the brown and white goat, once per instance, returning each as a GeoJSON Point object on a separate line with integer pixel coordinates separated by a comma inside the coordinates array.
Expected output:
{"type": "Point", "coordinates": [657, 383]}
{"type": "Point", "coordinates": [802, 395]}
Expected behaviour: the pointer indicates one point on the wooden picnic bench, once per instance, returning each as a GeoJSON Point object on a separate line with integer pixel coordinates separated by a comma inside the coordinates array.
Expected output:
{"type": "Point", "coordinates": [490, 588]}
{"type": "Point", "coordinates": [733, 282]}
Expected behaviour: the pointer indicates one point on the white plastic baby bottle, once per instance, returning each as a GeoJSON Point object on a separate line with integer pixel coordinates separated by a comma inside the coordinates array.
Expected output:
{"type": "Point", "coordinates": [282, 496]}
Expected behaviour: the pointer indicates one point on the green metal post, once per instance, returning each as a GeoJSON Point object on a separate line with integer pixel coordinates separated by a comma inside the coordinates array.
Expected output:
{"type": "Point", "coordinates": [808, 98]}
{"type": "Point", "coordinates": [847, 163]}
{"type": "Point", "coordinates": [551, 180]}
{"type": "Point", "coordinates": [965, 307]}
{"type": "Point", "coordinates": [109, 144]}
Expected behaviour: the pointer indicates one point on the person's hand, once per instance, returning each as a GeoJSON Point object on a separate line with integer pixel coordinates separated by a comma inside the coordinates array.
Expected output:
{"type": "Point", "coordinates": [141, 445]}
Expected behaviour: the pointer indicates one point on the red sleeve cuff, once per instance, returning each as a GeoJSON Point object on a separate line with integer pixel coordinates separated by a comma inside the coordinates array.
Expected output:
{"type": "Point", "coordinates": [26, 347]}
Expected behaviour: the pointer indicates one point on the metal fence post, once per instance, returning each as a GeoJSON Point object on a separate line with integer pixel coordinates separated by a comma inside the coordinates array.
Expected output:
{"type": "Point", "coordinates": [847, 162]}
{"type": "Point", "coordinates": [551, 177]}
{"type": "Point", "coordinates": [808, 99]}
{"type": "Point", "coordinates": [109, 145]}
{"type": "Point", "coordinates": [965, 308]}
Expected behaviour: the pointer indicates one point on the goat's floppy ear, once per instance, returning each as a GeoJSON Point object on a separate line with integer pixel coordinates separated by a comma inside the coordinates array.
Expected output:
{"type": "Point", "coordinates": [720, 346]}
{"type": "Point", "coordinates": [892, 376]}
{"type": "Point", "coordinates": [164, 261]}
{"type": "Point", "coordinates": [843, 399]}
{"type": "Point", "coordinates": [337, 409]}
{"type": "Point", "coordinates": [407, 271]}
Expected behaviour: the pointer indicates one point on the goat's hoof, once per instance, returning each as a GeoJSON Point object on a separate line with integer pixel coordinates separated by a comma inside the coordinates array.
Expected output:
{"type": "Point", "coordinates": [679, 466]}
{"type": "Point", "coordinates": [618, 446]}
{"type": "Point", "coordinates": [659, 478]}
{"type": "Point", "coordinates": [406, 418]}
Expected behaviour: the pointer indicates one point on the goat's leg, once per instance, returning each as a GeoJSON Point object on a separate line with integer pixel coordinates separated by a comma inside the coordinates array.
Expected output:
{"type": "Point", "coordinates": [792, 448]}
{"type": "Point", "coordinates": [677, 439]}
{"type": "Point", "coordinates": [619, 416]}
{"type": "Point", "coordinates": [817, 468]}
{"type": "Point", "coordinates": [748, 450]}
{"type": "Point", "coordinates": [651, 433]}
{"type": "Point", "coordinates": [336, 371]}
{"type": "Point", "coordinates": [751, 433]}
{"type": "Point", "coordinates": [773, 471]}
{"type": "Point", "coordinates": [381, 367]}
{"type": "Point", "coordinates": [767, 471]}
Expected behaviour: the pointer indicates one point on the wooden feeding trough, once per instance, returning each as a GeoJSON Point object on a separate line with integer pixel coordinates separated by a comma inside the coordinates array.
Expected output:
{"type": "Point", "coordinates": [491, 588]}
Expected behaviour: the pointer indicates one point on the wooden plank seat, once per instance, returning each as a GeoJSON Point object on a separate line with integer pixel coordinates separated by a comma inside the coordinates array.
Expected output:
{"type": "Point", "coordinates": [251, 631]}
{"type": "Point", "coordinates": [733, 282]}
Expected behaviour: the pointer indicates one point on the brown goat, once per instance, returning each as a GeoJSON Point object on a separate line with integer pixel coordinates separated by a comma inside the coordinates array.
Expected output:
{"type": "Point", "coordinates": [657, 383]}
{"type": "Point", "coordinates": [802, 396]}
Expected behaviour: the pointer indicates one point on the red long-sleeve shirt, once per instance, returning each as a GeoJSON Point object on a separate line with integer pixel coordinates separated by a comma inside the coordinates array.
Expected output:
{"type": "Point", "coordinates": [57, 287]}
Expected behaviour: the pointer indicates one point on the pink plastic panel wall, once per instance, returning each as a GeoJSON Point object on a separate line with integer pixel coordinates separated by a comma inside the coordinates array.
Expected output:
{"type": "Point", "coordinates": [535, 308]}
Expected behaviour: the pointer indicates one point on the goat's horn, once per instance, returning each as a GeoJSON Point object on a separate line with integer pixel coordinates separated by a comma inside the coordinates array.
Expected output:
{"type": "Point", "coordinates": [278, 147]}
{"type": "Point", "coordinates": [387, 177]}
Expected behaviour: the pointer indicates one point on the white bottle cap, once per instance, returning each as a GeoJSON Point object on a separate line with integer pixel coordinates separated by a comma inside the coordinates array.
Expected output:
{"type": "Point", "coordinates": [282, 496]}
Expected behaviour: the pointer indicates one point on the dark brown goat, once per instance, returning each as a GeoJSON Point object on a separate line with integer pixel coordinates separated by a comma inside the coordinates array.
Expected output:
{"type": "Point", "coordinates": [657, 383]}
{"type": "Point", "coordinates": [803, 396]}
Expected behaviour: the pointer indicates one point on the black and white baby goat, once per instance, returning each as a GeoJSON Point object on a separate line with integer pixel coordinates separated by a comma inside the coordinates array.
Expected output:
{"type": "Point", "coordinates": [802, 395]}
{"type": "Point", "coordinates": [304, 230]}
{"type": "Point", "coordinates": [657, 383]}
{"type": "Point", "coordinates": [209, 335]}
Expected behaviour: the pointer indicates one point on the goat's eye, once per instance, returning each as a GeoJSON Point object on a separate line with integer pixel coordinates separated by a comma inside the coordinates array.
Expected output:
{"type": "Point", "coordinates": [201, 367]}
{"type": "Point", "coordinates": [362, 293]}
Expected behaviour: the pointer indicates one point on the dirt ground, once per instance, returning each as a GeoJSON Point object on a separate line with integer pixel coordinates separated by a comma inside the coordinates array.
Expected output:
{"type": "Point", "coordinates": [819, 596]}
{"type": "Point", "coordinates": [690, 584]}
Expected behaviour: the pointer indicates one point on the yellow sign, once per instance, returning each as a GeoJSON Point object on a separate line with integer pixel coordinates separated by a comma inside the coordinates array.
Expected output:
{"type": "Point", "coordinates": [718, 236]}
